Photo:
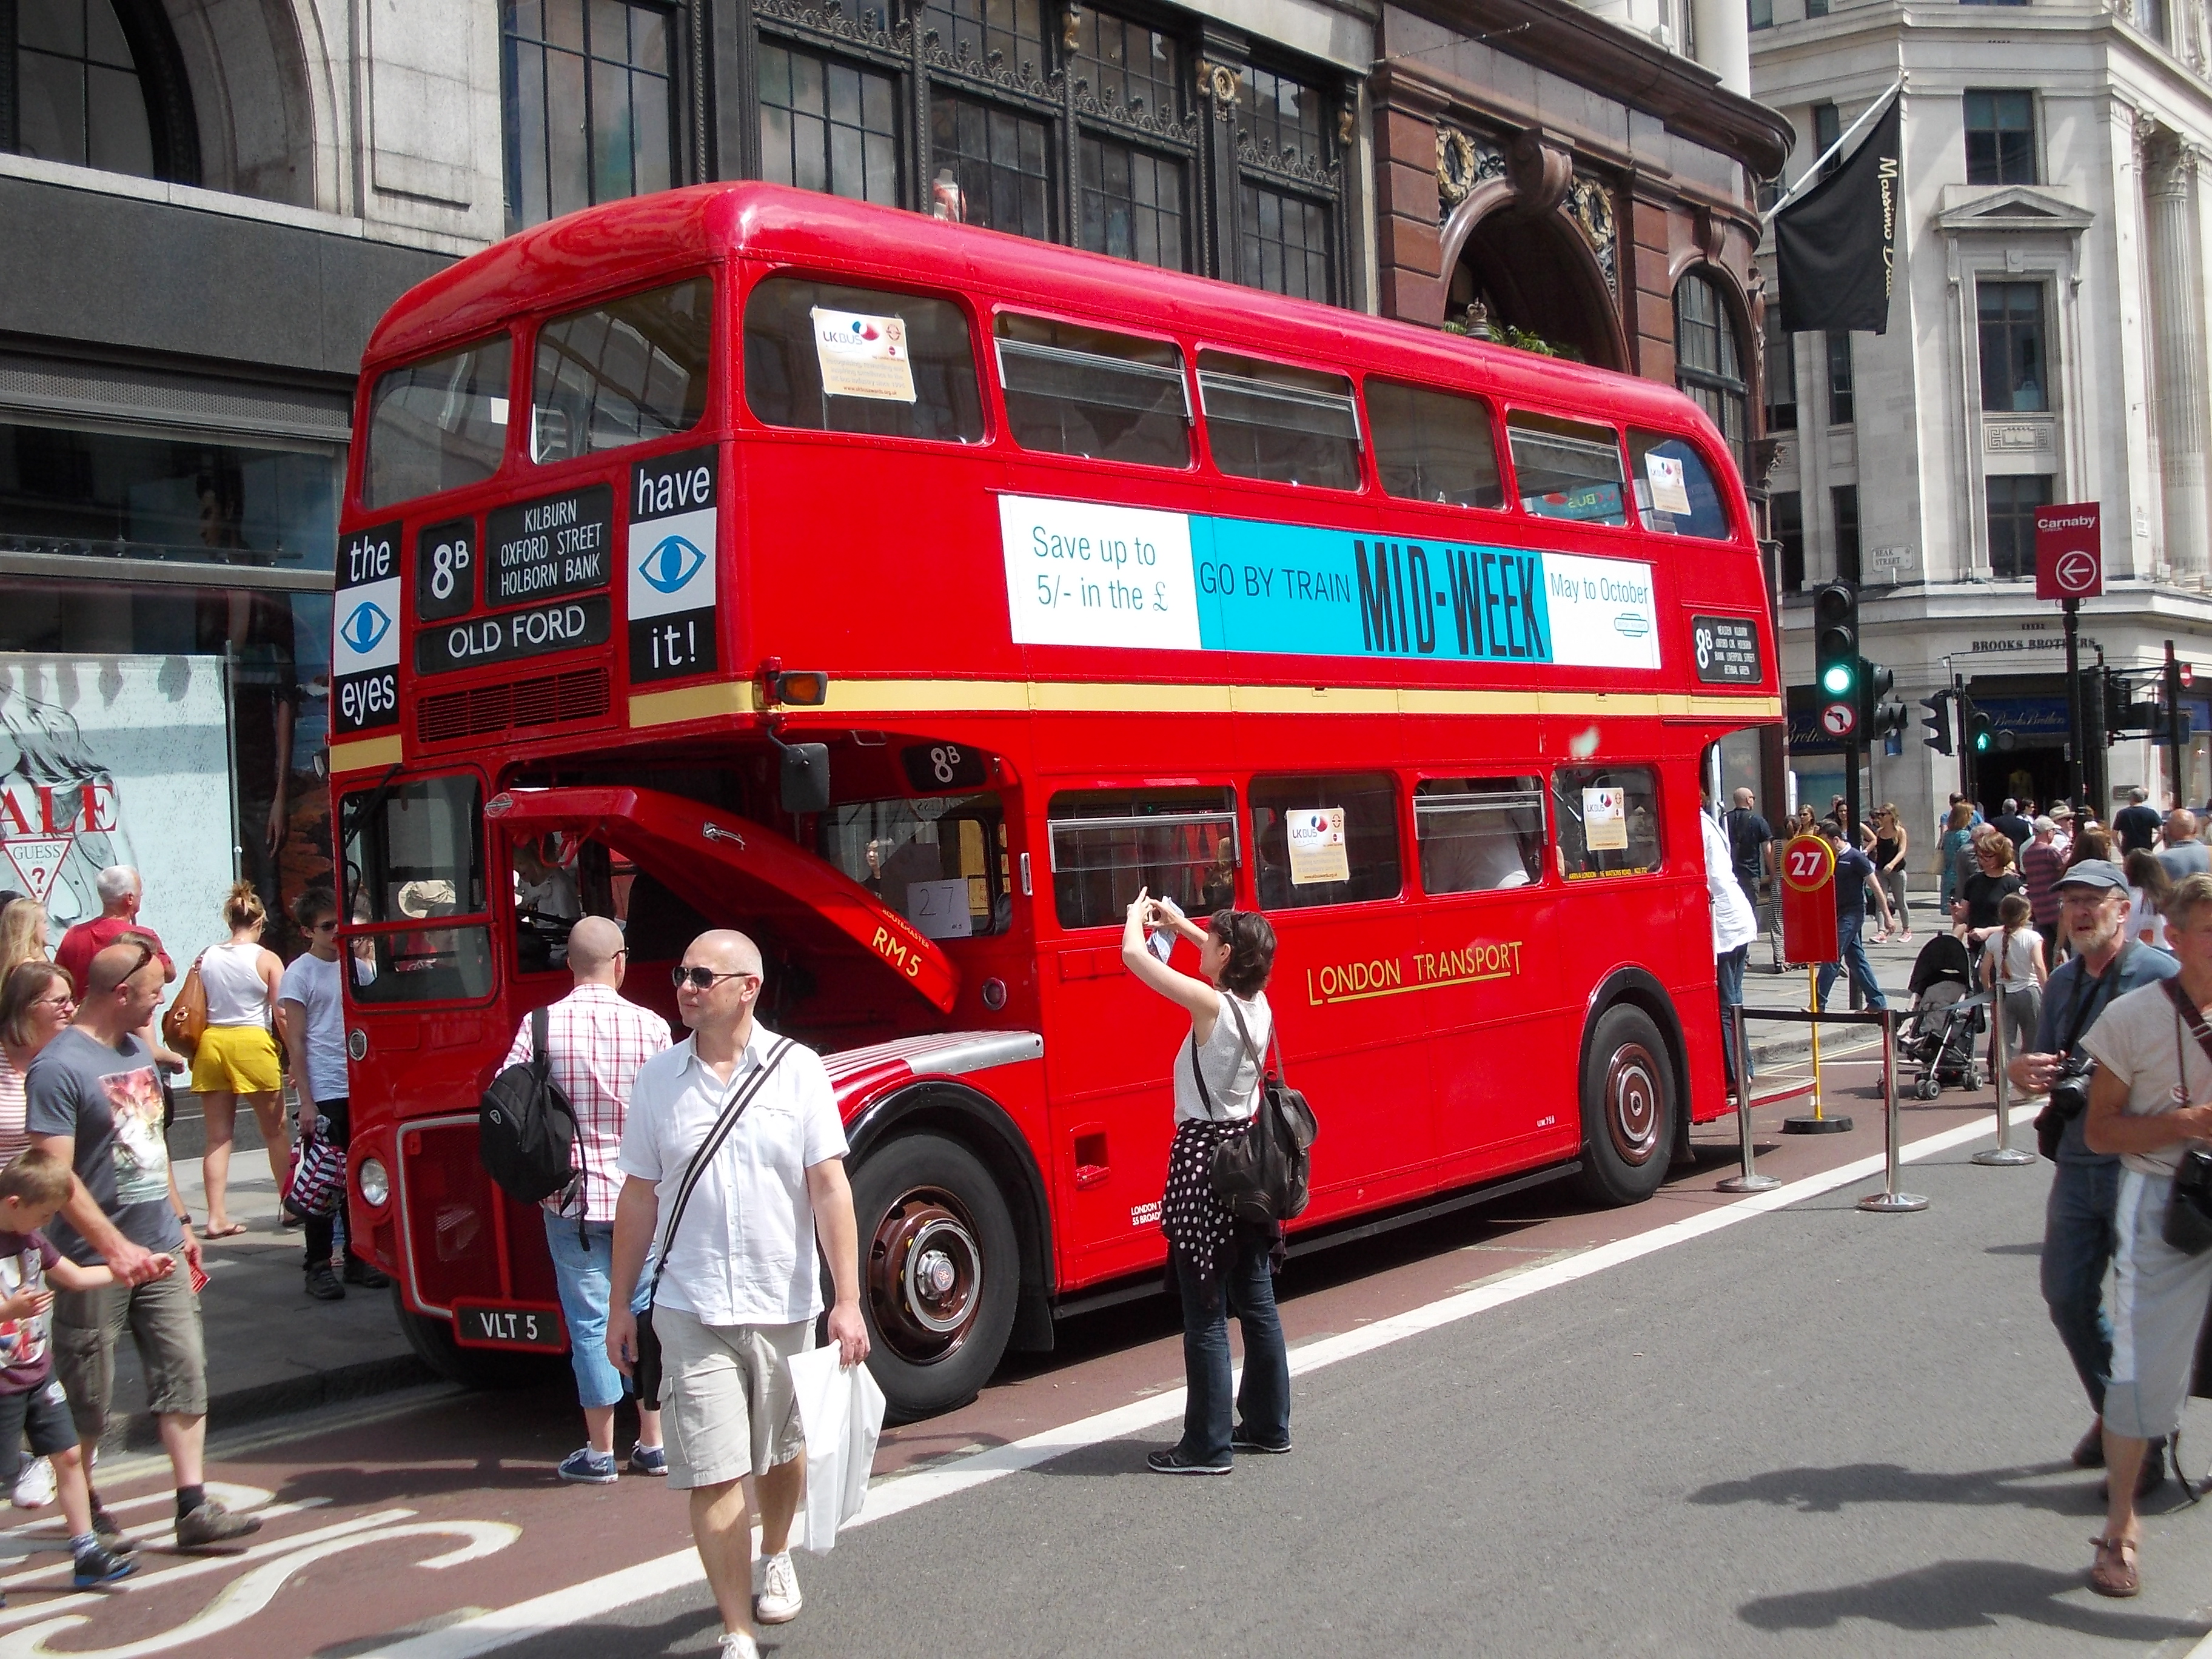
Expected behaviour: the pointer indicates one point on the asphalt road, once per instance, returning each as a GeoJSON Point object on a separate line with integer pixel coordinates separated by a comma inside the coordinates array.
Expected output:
{"type": "Point", "coordinates": [1695, 1427]}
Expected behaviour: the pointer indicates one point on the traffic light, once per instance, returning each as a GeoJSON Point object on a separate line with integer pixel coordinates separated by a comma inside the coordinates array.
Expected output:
{"type": "Point", "coordinates": [1878, 718]}
{"type": "Point", "coordinates": [1836, 642]}
{"type": "Point", "coordinates": [1981, 735]}
{"type": "Point", "coordinates": [1938, 718]}
{"type": "Point", "coordinates": [2114, 688]}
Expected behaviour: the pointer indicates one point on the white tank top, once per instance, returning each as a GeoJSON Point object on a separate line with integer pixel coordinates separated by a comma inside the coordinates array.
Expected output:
{"type": "Point", "coordinates": [1231, 1079]}
{"type": "Point", "coordinates": [236, 995]}
{"type": "Point", "coordinates": [2016, 966]}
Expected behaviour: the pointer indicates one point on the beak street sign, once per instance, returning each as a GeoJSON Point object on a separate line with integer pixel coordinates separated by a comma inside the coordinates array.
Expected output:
{"type": "Point", "coordinates": [2070, 556]}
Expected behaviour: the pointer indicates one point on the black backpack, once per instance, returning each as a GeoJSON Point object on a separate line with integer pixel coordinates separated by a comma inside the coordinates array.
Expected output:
{"type": "Point", "coordinates": [1262, 1176]}
{"type": "Point", "coordinates": [525, 1129]}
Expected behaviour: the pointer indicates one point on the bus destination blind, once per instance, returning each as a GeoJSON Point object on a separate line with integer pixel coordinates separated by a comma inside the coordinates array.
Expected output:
{"type": "Point", "coordinates": [542, 549]}
{"type": "Point", "coordinates": [1080, 573]}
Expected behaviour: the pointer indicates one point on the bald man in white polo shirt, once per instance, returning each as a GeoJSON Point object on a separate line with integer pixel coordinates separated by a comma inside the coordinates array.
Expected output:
{"type": "Point", "coordinates": [740, 1291]}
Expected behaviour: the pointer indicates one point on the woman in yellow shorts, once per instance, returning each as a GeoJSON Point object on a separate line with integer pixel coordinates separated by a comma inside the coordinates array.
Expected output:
{"type": "Point", "coordinates": [237, 1056]}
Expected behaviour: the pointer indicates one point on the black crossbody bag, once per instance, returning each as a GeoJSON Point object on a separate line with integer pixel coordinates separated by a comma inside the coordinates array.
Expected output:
{"type": "Point", "coordinates": [2050, 1123]}
{"type": "Point", "coordinates": [647, 1371]}
{"type": "Point", "coordinates": [2188, 1226]}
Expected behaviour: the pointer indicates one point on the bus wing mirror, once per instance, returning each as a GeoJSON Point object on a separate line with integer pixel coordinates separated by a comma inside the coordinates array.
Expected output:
{"type": "Point", "coordinates": [805, 777]}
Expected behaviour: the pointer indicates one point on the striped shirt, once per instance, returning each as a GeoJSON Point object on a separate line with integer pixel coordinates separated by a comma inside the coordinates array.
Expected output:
{"type": "Point", "coordinates": [15, 1136]}
{"type": "Point", "coordinates": [2041, 864]}
{"type": "Point", "coordinates": [599, 1041]}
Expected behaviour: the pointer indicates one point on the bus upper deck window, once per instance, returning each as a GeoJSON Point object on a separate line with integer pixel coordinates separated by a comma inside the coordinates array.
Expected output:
{"type": "Point", "coordinates": [1676, 492]}
{"type": "Point", "coordinates": [625, 372]}
{"type": "Point", "coordinates": [1076, 391]}
{"type": "Point", "coordinates": [1295, 426]}
{"type": "Point", "coordinates": [1109, 843]}
{"type": "Point", "coordinates": [823, 357]}
{"type": "Point", "coordinates": [1567, 470]}
{"type": "Point", "coordinates": [1433, 446]}
{"type": "Point", "coordinates": [437, 424]}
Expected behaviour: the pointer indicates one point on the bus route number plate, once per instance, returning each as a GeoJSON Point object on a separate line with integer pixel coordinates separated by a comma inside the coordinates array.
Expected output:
{"type": "Point", "coordinates": [479, 1327]}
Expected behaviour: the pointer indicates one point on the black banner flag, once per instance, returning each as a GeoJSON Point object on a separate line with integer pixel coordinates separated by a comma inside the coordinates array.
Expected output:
{"type": "Point", "coordinates": [1835, 245]}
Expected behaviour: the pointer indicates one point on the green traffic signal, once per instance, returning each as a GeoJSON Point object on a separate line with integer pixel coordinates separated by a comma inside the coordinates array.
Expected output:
{"type": "Point", "coordinates": [1980, 734]}
{"type": "Point", "coordinates": [1837, 680]}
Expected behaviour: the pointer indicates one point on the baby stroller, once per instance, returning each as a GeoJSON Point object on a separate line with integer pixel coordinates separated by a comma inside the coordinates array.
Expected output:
{"type": "Point", "coordinates": [1941, 1035]}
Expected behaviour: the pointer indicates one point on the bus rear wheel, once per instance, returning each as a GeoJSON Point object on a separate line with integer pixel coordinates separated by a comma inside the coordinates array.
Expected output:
{"type": "Point", "coordinates": [941, 1268]}
{"type": "Point", "coordinates": [432, 1339]}
{"type": "Point", "coordinates": [1628, 1109]}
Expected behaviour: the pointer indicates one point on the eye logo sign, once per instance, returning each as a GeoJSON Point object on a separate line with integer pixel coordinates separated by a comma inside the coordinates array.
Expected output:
{"type": "Point", "coordinates": [671, 565]}
{"type": "Point", "coordinates": [365, 627]}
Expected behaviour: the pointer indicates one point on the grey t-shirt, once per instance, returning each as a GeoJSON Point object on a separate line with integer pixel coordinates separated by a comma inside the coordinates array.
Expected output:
{"type": "Point", "coordinates": [2186, 858]}
{"type": "Point", "coordinates": [110, 1099]}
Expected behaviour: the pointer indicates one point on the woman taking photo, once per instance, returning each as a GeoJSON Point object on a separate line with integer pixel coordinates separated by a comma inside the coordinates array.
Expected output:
{"type": "Point", "coordinates": [237, 1054]}
{"type": "Point", "coordinates": [1891, 844]}
{"type": "Point", "coordinates": [1221, 1265]}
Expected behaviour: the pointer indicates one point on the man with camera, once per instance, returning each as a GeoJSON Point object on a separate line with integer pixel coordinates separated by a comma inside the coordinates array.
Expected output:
{"type": "Point", "coordinates": [2079, 1234]}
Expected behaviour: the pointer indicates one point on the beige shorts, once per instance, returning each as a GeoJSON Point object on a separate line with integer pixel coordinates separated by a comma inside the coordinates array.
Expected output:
{"type": "Point", "coordinates": [726, 1403]}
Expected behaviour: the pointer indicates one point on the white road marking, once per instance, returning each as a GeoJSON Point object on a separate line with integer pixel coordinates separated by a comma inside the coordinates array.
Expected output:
{"type": "Point", "coordinates": [581, 1603]}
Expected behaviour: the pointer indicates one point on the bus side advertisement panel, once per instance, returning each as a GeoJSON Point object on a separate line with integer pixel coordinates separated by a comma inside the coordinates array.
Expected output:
{"type": "Point", "coordinates": [1087, 574]}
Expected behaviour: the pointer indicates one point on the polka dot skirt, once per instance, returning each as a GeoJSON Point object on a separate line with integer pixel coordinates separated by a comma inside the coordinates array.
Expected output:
{"type": "Point", "coordinates": [1196, 1222]}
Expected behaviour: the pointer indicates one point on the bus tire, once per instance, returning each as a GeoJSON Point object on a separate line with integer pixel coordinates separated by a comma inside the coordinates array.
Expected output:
{"type": "Point", "coordinates": [1628, 1107]}
{"type": "Point", "coordinates": [941, 1270]}
{"type": "Point", "coordinates": [432, 1339]}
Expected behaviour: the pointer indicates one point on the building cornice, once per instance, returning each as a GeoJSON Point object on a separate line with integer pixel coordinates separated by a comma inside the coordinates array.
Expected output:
{"type": "Point", "coordinates": [1562, 39]}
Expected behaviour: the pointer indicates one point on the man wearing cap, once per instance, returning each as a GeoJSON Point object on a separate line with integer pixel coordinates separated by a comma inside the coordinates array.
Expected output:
{"type": "Point", "coordinates": [1855, 879]}
{"type": "Point", "coordinates": [2080, 1231]}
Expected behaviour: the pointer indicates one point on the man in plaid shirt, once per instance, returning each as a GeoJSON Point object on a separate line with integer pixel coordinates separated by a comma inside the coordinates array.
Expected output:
{"type": "Point", "coordinates": [598, 1041]}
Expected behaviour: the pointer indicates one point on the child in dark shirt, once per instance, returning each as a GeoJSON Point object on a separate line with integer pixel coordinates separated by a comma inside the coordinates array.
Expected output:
{"type": "Point", "coordinates": [31, 1191]}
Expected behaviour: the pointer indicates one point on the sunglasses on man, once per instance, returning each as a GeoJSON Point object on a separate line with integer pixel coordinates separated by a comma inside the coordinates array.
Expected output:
{"type": "Point", "coordinates": [703, 979]}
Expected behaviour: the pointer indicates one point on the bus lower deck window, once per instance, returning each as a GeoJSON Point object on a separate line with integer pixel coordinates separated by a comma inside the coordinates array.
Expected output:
{"type": "Point", "coordinates": [821, 356]}
{"type": "Point", "coordinates": [1075, 391]}
{"type": "Point", "coordinates": [1609, 821]}
{"type": "Point", "coordinates": [939, 861]}
{"type": "Point", "coordinates": [1325, 840]}
{"type": "Point", "coordinates": [626, 371]}
{"type": "Point", "coordinates": [1108, 844]}
{"type": "Point", "coordinates": [414, 858]}
{"type": "Point", "coordinates": [1433, 446]}
{"type": "Point", "coordinates": [1676, 492]}
{"type": "Point", "coordinates": [437, 424]}
{"type": "Point", "coordinates": [1295, 426]}
{"type": "Point", "coordinates": [1567, 470]}
{"type": "Point", "coordinates": [1479, 835]}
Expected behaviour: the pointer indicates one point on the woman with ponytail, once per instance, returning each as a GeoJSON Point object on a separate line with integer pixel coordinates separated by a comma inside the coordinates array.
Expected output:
{"type": "Point", "coordinates": [237, 1055]}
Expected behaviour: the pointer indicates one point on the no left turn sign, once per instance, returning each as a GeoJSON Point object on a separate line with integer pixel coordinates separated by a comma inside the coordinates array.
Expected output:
{"type": "Point", "coordinates": [1838, 719]}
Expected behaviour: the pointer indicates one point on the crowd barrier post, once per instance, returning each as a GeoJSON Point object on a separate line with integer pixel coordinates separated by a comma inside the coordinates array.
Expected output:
{"type": "Point", "coordinates": [2004, 1154]}
{"type": "Point", "coordinates": [1749, 1181]}
{"type": "Point", "coordinates": [1889, 1201]}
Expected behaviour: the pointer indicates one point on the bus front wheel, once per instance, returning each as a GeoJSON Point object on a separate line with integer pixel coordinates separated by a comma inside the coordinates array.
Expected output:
{"type": "Point", "coordinates": [941, 1270]}
{"type": "Point", "coordinates": [1628, 1107]}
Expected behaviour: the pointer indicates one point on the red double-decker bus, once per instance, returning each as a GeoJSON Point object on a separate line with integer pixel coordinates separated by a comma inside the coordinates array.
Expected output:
{"type": "Point", "coordinates": [909, 596]}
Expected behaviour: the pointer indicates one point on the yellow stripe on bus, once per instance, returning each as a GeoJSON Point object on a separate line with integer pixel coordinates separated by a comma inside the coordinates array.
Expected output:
{"type": "Point", "coordinates": [364, 752]}
{"type": "Point", "coordinates": [1062, 696]}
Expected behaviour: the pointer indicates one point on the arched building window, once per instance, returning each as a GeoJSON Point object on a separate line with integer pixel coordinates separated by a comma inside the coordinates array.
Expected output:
{"type": "Point", "coordinates": [1709, 361]}
{"type": "Point", "coordinates": [95, 83]}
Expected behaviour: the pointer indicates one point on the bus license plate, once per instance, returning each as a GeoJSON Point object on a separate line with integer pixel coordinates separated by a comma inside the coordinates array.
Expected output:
{"type": "Point", "coordinates": [508, 1327]}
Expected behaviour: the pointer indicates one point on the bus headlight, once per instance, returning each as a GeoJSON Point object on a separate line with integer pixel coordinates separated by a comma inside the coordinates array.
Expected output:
{"type": "Point", "coordinates": [375, 1184]}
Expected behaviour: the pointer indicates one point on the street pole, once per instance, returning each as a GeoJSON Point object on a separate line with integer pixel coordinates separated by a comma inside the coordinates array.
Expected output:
{"type": "Point", "coordinates": [2073, 791]}
{"type": "Point", "coordinates": [2173, 722]}
{"type": "Point", "coordinates": [1851, 807]}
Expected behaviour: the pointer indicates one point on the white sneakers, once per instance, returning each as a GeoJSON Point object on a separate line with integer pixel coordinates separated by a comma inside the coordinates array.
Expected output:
{"type": "Point", "coordinates": [776, 1599]}
{"type": "Point", "coordinates": [34, 1487]}
{"type": "Point", "coordinates": [736, 1645]}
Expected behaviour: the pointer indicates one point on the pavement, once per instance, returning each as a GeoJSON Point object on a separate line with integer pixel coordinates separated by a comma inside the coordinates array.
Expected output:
{"type": "Point", "coordinates": [1774, 1043]}
{"type": "Point", "coordinates": [1699, 1426]}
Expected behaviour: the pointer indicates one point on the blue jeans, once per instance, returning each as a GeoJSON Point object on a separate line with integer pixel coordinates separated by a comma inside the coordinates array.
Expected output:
{"type": "Point", "coordinates": [584, 1271]}
{"type": "Point", "coordinates": [2078, 1242]}
{"type": "Point", "coordinates": [1263, 1399]}
{"type": "Point", "coordinates": [1727, 969]}
{"type": "Point", "coordinates": [1851, 946]}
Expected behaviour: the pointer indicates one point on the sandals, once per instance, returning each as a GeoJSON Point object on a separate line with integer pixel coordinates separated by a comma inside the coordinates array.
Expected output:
{"type": "Point", "coordinates": [2113, 1572]}
{"type": "Point", "coordinates": [231, 1232]}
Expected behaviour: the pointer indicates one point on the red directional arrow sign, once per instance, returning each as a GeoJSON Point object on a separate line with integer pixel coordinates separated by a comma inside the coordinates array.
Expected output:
{"type": "Point", "coordinates": [2069, 552]}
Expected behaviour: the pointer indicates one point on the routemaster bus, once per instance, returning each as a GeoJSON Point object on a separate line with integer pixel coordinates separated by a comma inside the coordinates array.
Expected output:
{"type": "Point", "coordinates": [911, 596]}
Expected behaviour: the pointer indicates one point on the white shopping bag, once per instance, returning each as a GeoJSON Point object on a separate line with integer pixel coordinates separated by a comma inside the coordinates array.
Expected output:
{"type": "Point", "coordinates": [842, 1410]}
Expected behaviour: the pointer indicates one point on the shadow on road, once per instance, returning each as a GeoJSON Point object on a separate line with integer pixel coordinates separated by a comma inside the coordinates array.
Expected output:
{"type": "Point", "coordinates": [1827, 1491]}
{"type": "Point", "coordinates": [1959, 1595]}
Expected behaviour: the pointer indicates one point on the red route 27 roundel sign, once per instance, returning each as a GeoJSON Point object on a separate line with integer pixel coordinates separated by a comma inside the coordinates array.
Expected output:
{"type": "Point", "coordinates": [2069, 552]}
{"type": "Point", "coordinates": [1808, 868]}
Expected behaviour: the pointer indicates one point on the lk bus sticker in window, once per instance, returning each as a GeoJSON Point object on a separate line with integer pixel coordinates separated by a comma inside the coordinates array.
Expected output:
{"type": "Point", "coordinates": [1670, 493]}
{"type": "Point", "coordinates": [1605, 820]}
{"type": "Point", "coordinates": [671, 559]}
{"type": "Point", "coordinates": [1086, 573]}
{"type": "Point", "coordinates": [1316, 846]}
{"type": "Point", "coordinates": [863, 356]}
{"type": "Point", "coordinates": [365, 632]}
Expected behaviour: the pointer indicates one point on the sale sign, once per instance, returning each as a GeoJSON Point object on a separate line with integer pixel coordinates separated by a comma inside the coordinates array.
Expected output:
{"type": "Point", "coordinates": [1808, 900]}
{"type": "Point", "coordinates": [2069, 552]}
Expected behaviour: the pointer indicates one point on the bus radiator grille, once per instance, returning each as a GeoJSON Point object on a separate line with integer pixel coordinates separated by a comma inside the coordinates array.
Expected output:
{"type": "Point", "coordinates": [482, 710]}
